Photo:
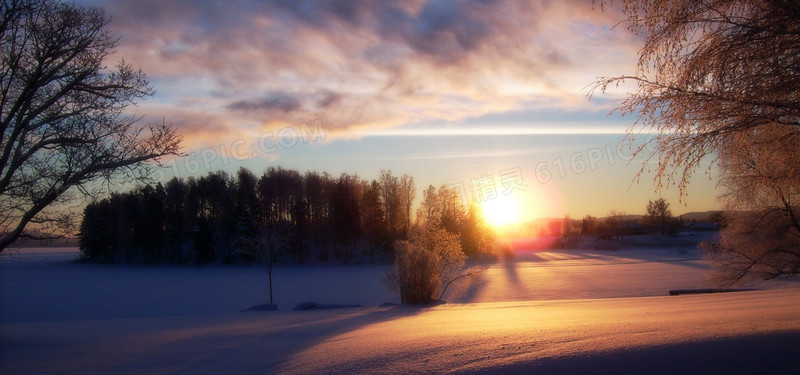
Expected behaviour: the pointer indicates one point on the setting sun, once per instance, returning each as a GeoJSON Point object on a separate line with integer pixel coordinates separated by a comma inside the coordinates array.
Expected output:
{"type": "Point", "coordinates": [501, 211]}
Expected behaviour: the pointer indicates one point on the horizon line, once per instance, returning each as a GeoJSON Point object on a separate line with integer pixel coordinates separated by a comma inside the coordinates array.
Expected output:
{"type": "Point", "coordinates": [494, 131]}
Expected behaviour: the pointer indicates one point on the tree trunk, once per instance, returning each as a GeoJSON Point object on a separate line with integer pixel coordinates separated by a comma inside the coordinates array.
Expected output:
{"type": "Point", "coordinates": [269, 277]}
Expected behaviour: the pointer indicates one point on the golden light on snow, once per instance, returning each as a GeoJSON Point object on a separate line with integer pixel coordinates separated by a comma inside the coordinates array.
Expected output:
{"type": "Point", "coordinates": [502, 211]}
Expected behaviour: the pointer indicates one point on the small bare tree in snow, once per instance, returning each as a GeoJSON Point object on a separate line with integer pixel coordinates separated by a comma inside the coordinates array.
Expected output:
{"type": "Point", "coordinates": [267, 246]}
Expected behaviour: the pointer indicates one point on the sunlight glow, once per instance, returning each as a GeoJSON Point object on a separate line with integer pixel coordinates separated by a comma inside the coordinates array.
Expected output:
{"type": "Point", "coordinates": [501, 211]}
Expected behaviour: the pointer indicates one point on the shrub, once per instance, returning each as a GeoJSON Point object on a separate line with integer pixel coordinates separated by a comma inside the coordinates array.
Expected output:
{"type": "Point", "coordinates": [427, 265]}
{"type": "Point", "coordinates": [414, 274]}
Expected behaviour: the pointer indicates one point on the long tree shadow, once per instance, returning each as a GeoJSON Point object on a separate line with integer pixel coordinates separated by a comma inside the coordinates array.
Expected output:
{"type": "Point", "coordinates": [685, 257]}
{"type": "Point", "coordinates": [246, 342]}
{"type": "Point", "coordinates": [322, 327]}
{"type": "Point", "coordinates": [270, 342]}
{"type": "Point", "coordinates": [509, 271]}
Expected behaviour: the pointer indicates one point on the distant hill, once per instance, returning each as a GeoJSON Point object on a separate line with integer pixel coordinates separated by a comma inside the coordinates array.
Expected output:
{"type": "Point", "coordinates": [705, 216]}
{"type": "Point", "coordinates": [56, 242]}
{"type": "Point", "coordinates": [552, 225]}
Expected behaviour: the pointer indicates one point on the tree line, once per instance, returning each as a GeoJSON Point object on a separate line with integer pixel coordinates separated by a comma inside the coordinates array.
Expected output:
{"type": "Point", "coordinates": [220, 217]}
{"type": "Point", "coordinates": [617, 225]}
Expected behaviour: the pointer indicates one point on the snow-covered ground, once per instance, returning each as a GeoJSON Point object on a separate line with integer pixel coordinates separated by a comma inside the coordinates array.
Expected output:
{"type": "Point", "coordinates": [566, 311]}
{"type": "Point", "coordinates": [44, 285]}
{"type": "Point", "coordinates": [581, 274]}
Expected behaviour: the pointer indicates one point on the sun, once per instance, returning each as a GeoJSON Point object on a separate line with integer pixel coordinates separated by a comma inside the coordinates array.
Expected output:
{"type": "Point", "coordinates": [501, 211]}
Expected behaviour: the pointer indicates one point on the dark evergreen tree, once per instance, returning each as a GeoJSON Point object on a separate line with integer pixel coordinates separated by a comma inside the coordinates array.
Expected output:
{"type": "Point", "coordinates": [203, 242]}
{"type": "Point", "coordinates": [245, 199]}
{"type": "Point", "coordinates": [148, 229]}
{"type": "Point", "coordinates": [315, 186]}
{"type": "Point", "coordinates": [246, 212]}
{"type": "Point", "coordinates": [300, 216]}
{"type": "Point", "coordinates": [124, 207]}
{"type": "Point", "coordinates": [373, 218]}
{"type": "Point", "coordinates": [175, 231]}
{"type": "Point", "coordinates": [97, 240]}
{"type": "Point", "coordinates": [346, 213]}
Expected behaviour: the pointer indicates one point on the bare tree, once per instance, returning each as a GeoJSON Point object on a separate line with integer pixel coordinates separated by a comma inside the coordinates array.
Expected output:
{"type": "Point", "coordinates": [408, 192]}
{"type": "Point", "coordinates": [390, 197]}
{"type": "Point", "coordinates": [441, 208]}
{"type": "Point", "coordinates": [267, 246]}
{"type": "Point", "coordinates": [614, 225]}
{"type": "Point", "coordinates": [658, 214]}
{"type": "Point", "coordinates": [397, 196]}
{"type": "Point", "coordinates": [428, 210]}
{"type": "Point", "coordinates": [568, 234]}
{"type": "Point", "coordinates": [62, 114]}
{"type": "Point", "coordinates": [719, 80]}
{"type": "Point", "coordinates": [589, 225]}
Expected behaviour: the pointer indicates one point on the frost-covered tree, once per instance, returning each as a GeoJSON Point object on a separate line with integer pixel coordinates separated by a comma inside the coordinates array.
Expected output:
{"type": "Point", "coordinates": [443, 208]}
{"type": "Point", "coordinates": [709, 70]}
{"type": "Point", "coordinates": [761, 236]}
{"type": "Point", "coordinates": [719, 80]}
{"type": "Point", "coordinates": [427, 265]}
{"type": "Point", "coordinates": [63, 124]}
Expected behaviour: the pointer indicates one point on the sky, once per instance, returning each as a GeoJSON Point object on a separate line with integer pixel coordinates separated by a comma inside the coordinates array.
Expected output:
{"type": "Point", "coordinates": [490, 97]}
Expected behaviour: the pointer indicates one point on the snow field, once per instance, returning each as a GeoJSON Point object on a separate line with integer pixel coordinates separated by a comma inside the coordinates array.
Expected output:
{"type": "Point", "coordinates": [553, 311]}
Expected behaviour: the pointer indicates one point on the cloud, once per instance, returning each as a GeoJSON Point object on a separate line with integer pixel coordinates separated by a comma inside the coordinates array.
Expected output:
{"type": "Point", "coordinates": [272, 102]}
{"type": "Point", "coordinates": [364, 64]}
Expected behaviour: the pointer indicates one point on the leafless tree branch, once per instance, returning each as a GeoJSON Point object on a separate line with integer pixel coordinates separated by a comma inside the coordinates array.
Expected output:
{"type": "Point", "coordinates": [62, 113]}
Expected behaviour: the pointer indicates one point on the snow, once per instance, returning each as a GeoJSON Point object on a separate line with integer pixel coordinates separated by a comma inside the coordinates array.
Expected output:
{"type": "Point", "coordinates": [580, 274]}
{"type": "Point", "coordinates": [476, 337]}
{"type": "Point", "coordinates": [581, 311]}
{"type": "Point", "coordinates": [40, 285]}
